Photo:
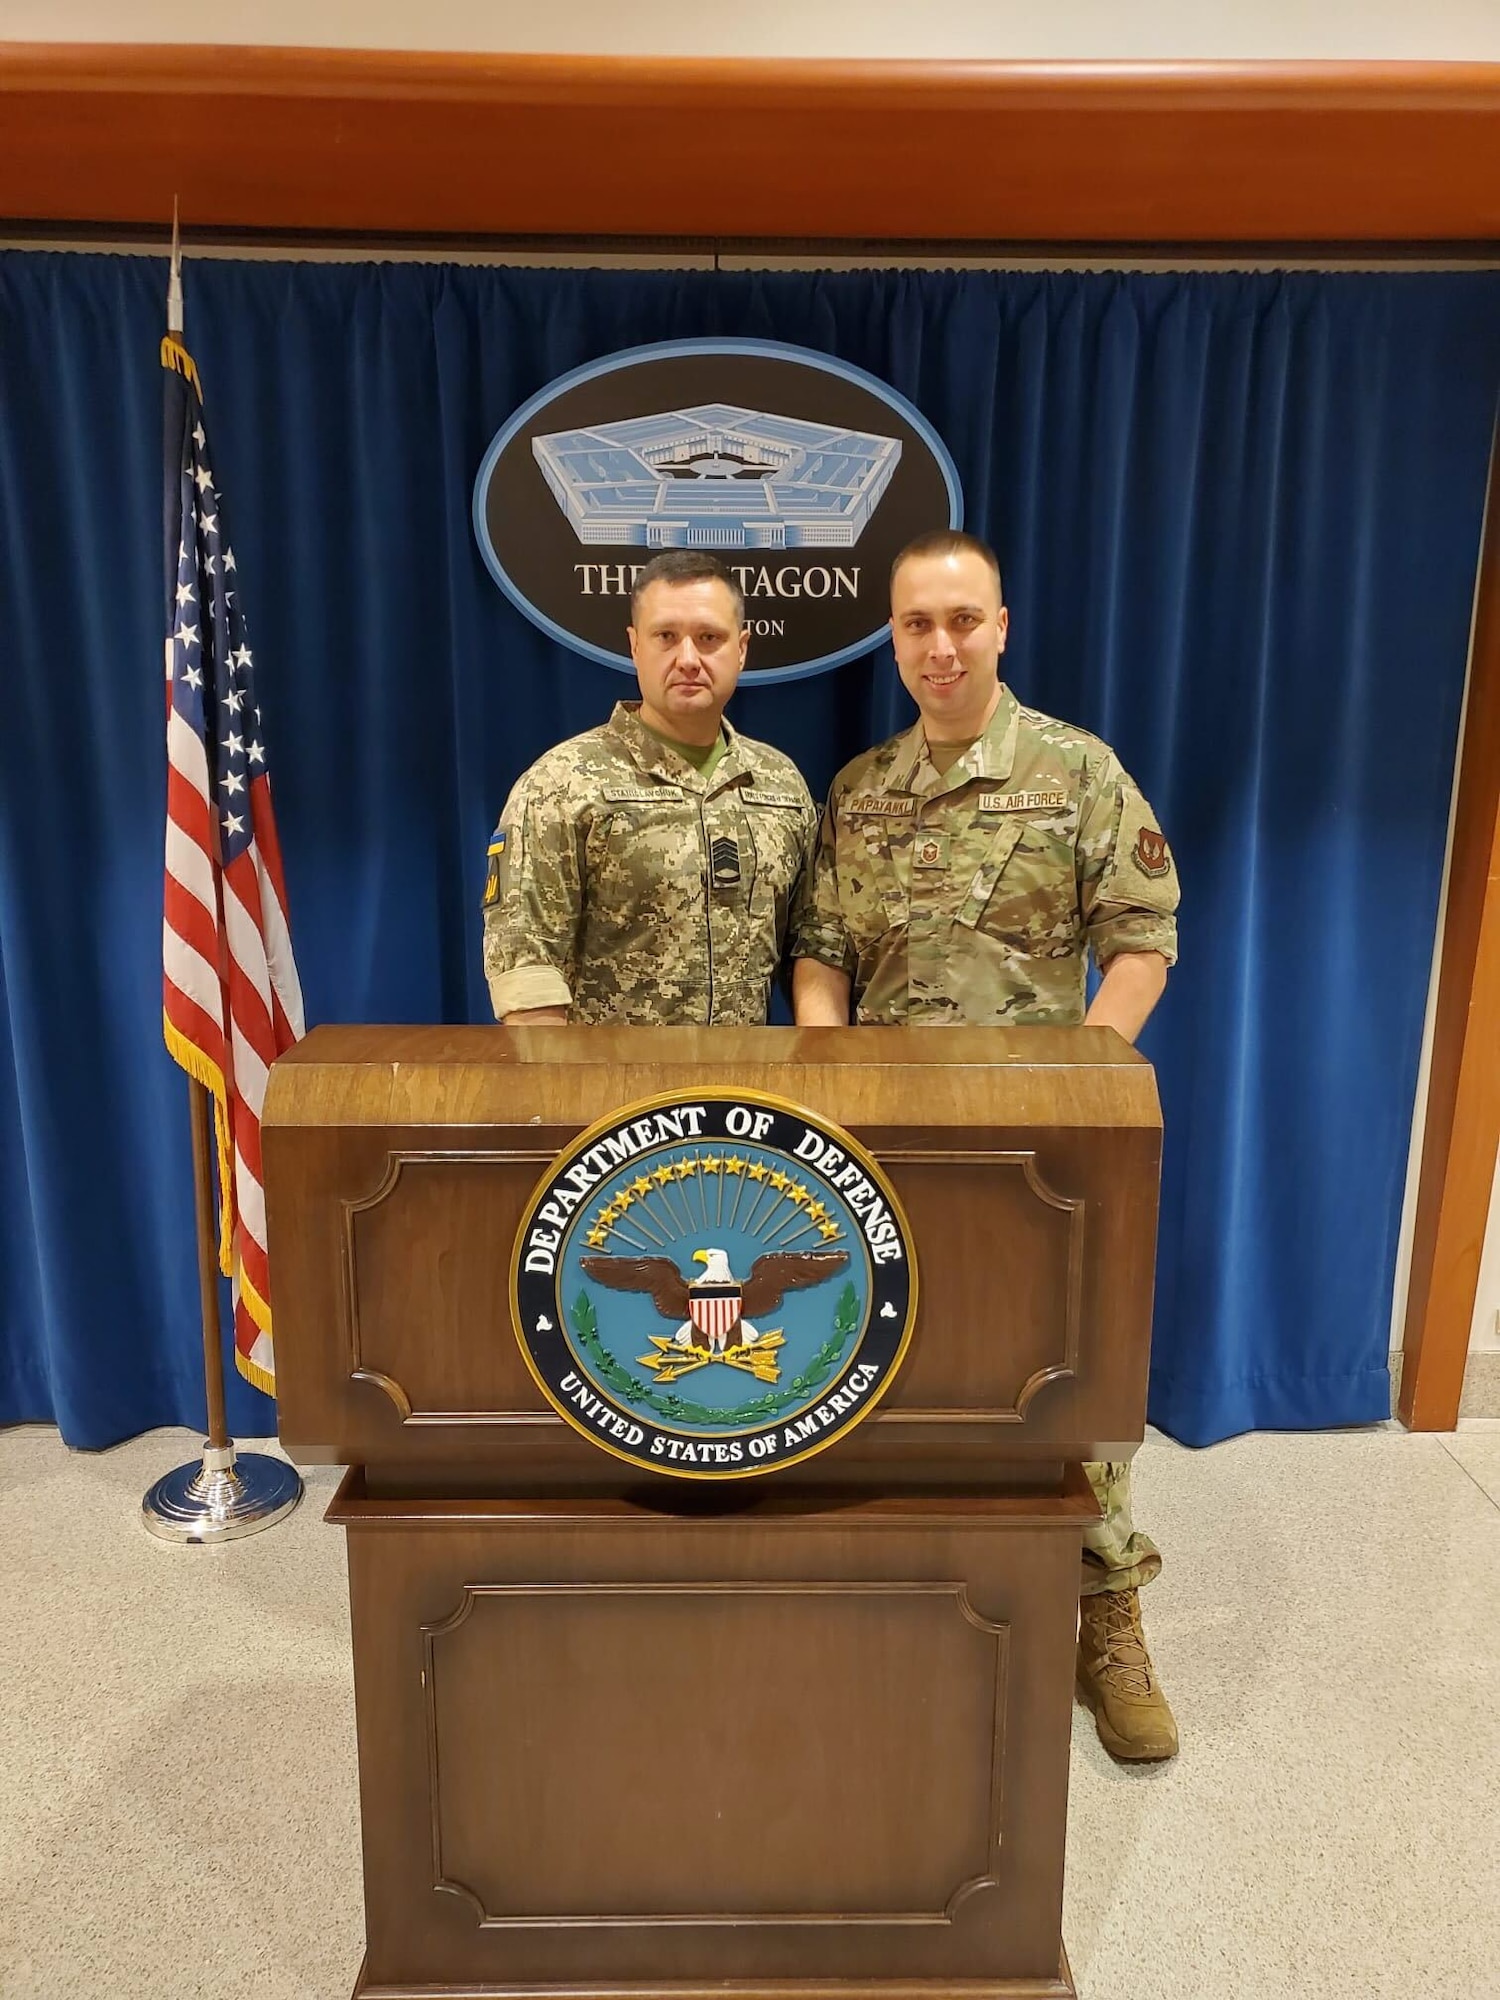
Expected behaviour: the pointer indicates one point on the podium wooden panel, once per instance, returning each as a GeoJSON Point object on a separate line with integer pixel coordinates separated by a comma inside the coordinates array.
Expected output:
{"type": "Point", "coordinates": [805, 1733]}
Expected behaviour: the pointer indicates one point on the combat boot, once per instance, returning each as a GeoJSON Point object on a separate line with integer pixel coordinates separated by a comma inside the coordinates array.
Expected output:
{"type": "Point", "coordinates": [1118, 1682]}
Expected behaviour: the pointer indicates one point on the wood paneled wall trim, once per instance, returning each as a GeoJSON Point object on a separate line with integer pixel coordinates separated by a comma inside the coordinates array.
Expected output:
{"type": "Point", "coordinates": [1463, 1098]}
{"type": "Point", "coordinates": [386, 141]}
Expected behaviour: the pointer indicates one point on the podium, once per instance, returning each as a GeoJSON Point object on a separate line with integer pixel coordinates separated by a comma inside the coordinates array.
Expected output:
{"type": "Point", "coordinates": [771, 1737]}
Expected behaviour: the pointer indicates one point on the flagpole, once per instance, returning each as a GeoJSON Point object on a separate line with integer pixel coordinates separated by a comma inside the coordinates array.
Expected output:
{"type": "Point", "coordinates": [201, 1111]}
{"type": "Point", "coordinates": [226, 1494]}
{"type": "Point", "coordinates": [200, 1104]}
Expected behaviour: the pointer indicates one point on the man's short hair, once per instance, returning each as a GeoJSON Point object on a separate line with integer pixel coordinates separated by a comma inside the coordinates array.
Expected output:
{"type": "Point", "coordinates": [686, 566]}
{"type": "Point", "coordinates": [949, 542]}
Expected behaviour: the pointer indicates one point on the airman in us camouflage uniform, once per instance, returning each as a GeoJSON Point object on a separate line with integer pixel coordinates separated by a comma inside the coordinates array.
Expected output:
{"type": "Point", "coordinates": [646, 873]}
{"type": "Point", "coordinates": [973, 895]}
{"type": "Point", "coordinates": [965, 870]}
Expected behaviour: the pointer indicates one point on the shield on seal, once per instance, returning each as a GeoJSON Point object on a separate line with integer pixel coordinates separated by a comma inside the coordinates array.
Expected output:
{"type": "Point", "coordinates": [715, 1312]}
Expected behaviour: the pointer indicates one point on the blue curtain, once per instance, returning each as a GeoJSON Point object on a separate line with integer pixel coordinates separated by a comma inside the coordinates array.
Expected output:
{"type": "Point", "coordinates": [1239, 517]}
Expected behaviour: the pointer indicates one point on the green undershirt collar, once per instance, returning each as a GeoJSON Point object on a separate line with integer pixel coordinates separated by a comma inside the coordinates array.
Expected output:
{"type": "Point", "coordinates": [705, 758]}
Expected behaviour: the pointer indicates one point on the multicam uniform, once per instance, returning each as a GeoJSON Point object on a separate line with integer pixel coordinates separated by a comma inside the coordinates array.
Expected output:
{"type": "Point", "coordinates": [973, 897]}
{"type": "Point", "coordinates": [628, 888]}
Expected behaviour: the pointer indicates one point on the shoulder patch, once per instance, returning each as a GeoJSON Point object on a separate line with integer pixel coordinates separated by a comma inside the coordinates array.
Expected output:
{"type": "Point", "coordinates": [494, 881]}
{"type": "Point", "coordinates": [1152, 855]}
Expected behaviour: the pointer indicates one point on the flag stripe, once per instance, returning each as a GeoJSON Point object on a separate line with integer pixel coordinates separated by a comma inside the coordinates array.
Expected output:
{"type": "Point", "coordinates": [249, 1076]}
{"type": "Point", "coordinates": [194, 1025]}
{"type": "Point", "coordinates": [191, 924]}
{"type": "Point", "coordinates": [190, 974]}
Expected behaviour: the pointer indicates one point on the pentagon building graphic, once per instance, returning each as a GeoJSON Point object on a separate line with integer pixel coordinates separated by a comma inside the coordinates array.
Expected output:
{"type": "Point", "coordinates": [718, 478]}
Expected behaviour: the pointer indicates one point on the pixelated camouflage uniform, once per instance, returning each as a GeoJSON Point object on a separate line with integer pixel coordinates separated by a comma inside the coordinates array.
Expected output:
{"type": "Point", "coordinates": [626, 887]}
{"type": "Point", "coordinates": [973, 897]}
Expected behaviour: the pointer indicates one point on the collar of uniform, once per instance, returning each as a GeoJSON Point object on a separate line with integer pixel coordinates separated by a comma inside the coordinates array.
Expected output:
{"type": "Point", "coordinates": [653, 759]}
{"type": "Point", "coordinates": [992, 756]}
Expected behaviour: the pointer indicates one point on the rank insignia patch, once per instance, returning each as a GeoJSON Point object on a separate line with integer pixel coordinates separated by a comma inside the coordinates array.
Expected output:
{"type": "Point", "coordinates": [1152, 855]}
{"type": "Point", "coordinates": [715, 1286]}
{"type": "Point", "coordinates": [724, 860]}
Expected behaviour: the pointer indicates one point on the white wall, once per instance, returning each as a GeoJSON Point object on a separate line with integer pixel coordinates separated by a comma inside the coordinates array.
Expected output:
{"type": "Point", "coordinates": [1485, 1334]}
{"type": "Point", "coordinates": [952, 30]}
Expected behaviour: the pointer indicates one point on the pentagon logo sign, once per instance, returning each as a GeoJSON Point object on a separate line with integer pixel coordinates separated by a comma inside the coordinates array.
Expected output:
{"type": "Point", "coordinates": [713, 1286]}
{"type": "Point", "coordinates": [803, 474]}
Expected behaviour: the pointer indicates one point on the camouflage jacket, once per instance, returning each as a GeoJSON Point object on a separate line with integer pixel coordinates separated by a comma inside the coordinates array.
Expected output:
{"type": "Point", "coordinates": [624, 887]}
{"type": "Point", "coordinates": [972, 897]}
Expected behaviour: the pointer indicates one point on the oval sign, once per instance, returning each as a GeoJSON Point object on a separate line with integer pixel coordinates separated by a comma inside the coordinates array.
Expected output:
{"type": "Point", "coordinates": [713, 1286]}
{"type": "Point", "coordinates": [804, 475]}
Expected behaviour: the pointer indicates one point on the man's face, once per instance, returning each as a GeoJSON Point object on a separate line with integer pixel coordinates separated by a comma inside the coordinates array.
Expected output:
{"type": "Point", "coordinates": [948, 627]}
{"type": "Point", "coordinates": [688, 648]}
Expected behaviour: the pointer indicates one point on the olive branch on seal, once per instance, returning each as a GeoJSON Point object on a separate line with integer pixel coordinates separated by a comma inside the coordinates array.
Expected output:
{"type": "Point", "coordinates": [677, 1409]}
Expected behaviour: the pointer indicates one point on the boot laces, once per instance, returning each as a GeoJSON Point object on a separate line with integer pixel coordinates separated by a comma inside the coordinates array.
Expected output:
{"type": "Point", "coordinates": [1122, 1643]}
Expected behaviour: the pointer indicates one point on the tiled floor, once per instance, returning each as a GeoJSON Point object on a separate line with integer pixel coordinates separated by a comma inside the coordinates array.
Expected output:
{"type": "Point", "coordinates": [177, 1760]}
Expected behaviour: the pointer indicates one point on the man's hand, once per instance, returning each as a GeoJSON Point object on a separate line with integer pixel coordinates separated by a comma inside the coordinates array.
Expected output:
{"type": "Point", "coordinates": [820, 994]}
{"type": "Point", "coordinates": [1132, 984]}
{"type": "Point", "coordinates": [536, 1017]}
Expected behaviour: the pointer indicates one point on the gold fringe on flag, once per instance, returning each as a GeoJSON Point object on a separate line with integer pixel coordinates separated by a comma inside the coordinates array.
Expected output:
{"type": "Point", "coordinates": [211, 1077]}
{"type": "Point", "coordinates": [175, 355]}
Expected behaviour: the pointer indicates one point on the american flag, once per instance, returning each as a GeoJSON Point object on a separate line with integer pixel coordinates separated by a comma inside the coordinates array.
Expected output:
{"type": "Point", "coordinates": [230, 995]}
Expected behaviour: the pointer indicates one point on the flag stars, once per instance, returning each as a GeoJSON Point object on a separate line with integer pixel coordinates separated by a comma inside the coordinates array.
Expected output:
{"type": "Point", "coordinates": [234, 746]}
{"type": "Point", "coordinates": [203, 479]}
{"type": "Point", "coordinates": [234, 781]}
{"type": "Point", "coordinates": [241, 658]}
{"type": "Point", "coordinates": [233, 823]}
{"type": "Point", "coordinates": [229, 562]}
{"type": "Point", "coordinates": [255, 754]}
{"type": "Point", "coordinates": [187, 635]}
{"type": "Point", "coordinates": [234, 700]}
{"type": "Point", "coordinates": [198, 437]}
{"type": "Point", "coordinates": [192, 676]}
{"type": "Point", "coordinates": [186, 594]}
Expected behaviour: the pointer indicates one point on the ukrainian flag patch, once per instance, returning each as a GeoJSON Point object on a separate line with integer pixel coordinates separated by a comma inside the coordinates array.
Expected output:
{"type": "Point", "coordinates": [494, 879]}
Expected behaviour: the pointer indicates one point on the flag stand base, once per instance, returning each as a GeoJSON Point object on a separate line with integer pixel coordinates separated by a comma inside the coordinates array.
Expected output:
{"type": "Point", "coordinates": [224, 1497]}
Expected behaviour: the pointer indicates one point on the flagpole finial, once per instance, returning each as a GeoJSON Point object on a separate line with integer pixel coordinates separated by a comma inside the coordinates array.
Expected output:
{"type": "Point", "coordinates": [174, 283]}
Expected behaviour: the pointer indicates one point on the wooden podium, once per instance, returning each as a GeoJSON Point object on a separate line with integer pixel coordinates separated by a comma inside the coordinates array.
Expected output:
{"type": "Point", "coordinates": [762, 1739]}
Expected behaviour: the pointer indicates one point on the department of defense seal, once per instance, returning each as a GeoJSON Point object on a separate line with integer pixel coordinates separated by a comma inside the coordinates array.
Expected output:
{"type": "Point", "coordinates": [713, 1285]}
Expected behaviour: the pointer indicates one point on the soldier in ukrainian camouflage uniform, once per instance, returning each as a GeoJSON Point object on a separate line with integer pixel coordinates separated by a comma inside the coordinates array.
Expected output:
{"type": "Point", "coordinates": [647, 870]}
{"type": "Point", "coordinates": [965, 869]}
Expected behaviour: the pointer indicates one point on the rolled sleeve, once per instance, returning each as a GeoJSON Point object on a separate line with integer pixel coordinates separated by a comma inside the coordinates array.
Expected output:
{"type": "Point", "coordinates": [528, 986]}
{"type": "Point", "coordinates": [533, 904]}
{"type": "Point", "coordinates": [1128, 883]}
